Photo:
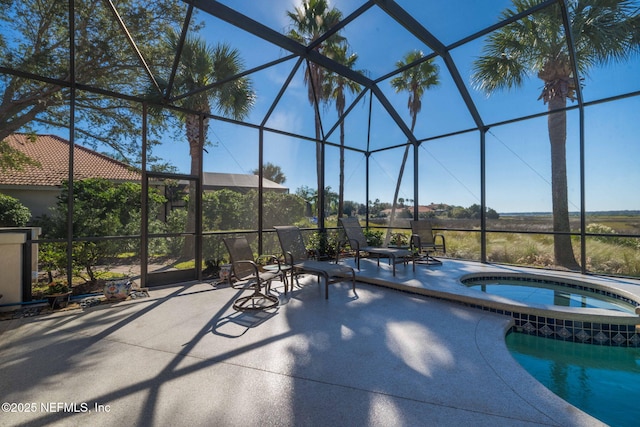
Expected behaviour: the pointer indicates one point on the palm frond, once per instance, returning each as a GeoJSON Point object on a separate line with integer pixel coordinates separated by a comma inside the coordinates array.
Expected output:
{"type": "Point", "coordinates": [603, 31]}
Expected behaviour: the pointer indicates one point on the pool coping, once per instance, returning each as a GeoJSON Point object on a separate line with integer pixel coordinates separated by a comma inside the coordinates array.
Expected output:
{"type": "Point", "coordinates": [582, 325]}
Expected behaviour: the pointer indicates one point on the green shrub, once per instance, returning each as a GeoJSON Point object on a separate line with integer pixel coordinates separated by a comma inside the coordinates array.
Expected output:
{"type": "Point", "coordinates": [176, 223]}
{"type": "Point", "coordinates": [399, 239]}
{"type": "Point", "coordinates": [374, 237]}
{"type": "Point", "coordinates": [596, 228]}
{"type": "Point", "coordinates": [12, 212]}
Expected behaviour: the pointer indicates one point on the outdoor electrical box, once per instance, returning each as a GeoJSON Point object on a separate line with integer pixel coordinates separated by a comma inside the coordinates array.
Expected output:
{"type": "Point", "coordinates": [18, 265]}
{"type": "Point", "coordinates": [11, 245]}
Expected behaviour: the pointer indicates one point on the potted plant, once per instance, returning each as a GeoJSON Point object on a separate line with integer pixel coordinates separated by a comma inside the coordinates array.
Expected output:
{"type": "Point", "coordinates": [117, 289]}
{"type": "Point", "coordinates": [58, 293]}
{"type": "Point", "coordinates": [399, 239]}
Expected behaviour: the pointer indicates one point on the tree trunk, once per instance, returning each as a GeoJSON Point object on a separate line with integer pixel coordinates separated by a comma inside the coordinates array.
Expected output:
{"type": "Point", "coordinates": [320, 201]}
{"type": "Point", "coordinates": [314, 85]}
{"type": "Point", "coordinates": [392, 217]}
{"type": "Point", "coordinates": [341, 185]}
{"type": "Point", "coordinates": [557, 123]}
{"type": "Point", "coordinates": [192, 124]}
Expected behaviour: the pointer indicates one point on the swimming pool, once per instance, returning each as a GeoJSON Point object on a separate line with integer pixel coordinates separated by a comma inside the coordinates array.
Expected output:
{"type": "Point", "coordinates": [600, 380]}
{"type": "Point", "coordinates": [561, 309]}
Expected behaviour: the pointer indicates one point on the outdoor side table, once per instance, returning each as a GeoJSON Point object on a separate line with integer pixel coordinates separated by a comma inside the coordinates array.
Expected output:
{"type": "Point", "coordinates": [283, 274]}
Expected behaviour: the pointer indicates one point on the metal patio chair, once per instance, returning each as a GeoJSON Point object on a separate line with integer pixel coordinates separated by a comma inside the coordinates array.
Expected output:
{"type": "Point", "coordinates": [359, 244]}
{"type": "Point", "coordinates": [425, 241]}
{"type": "Point", "coordinates": [296, 255]}
{"type": "Point", "coordinates": [246, 269]}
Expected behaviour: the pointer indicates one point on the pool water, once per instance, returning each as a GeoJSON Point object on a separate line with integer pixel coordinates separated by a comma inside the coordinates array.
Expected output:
{"type": "Point", "coordinates": [549, 294]}
{"type": "Point", "coordinates": [602, 381]}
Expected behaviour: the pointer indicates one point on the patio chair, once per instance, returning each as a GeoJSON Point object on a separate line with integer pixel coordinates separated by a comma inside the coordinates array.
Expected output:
{"type": "Point", "coordinates": [296, 256]}
{"type": "Point", "coordinates": [246, 269]}
{"type": "Point", "coordinates": [359, 244]}
{"type": "Point", "coordinates": [424, 240]}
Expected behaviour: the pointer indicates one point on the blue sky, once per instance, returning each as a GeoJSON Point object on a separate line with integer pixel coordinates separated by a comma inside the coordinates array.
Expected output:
{"type": "Point", "coordinates": [518, 167]}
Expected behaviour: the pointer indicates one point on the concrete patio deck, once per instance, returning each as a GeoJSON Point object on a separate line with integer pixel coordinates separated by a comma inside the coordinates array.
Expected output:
{"type": "Point", "coordinates": [184, 357]}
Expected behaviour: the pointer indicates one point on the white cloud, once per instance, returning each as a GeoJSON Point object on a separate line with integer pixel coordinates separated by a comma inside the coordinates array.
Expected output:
{"type": "Point", "coordinates": [286, 121]}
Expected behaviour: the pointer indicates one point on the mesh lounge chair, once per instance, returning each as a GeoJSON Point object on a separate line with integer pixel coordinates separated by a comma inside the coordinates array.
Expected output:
{"type": "Point", "coordinates": [245, 268]}
{"type": "Point", "coordinates": [295, 254]}
{"type": "Point", "coordinates": [424, 240]}
{"type": "Point", "coordinates": [358, 243]}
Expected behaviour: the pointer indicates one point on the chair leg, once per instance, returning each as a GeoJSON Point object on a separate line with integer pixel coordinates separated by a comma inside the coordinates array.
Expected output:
{"type": "Point", "coordinates": [283, 278]}
{"type": "Point", "coordinates": [257, 300]}
{"type": "Point", "coordinates": [326, 285]}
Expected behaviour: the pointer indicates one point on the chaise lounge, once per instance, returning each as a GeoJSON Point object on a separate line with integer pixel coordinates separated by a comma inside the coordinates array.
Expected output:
{"type": "Point", "coordinates": [296, 255]}
{"type": "Point", "coordinates": [359, 244]}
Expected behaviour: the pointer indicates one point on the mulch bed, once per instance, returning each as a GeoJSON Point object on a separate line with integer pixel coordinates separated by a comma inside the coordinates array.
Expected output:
{"type": "Point", "coordinates": [84, 303]}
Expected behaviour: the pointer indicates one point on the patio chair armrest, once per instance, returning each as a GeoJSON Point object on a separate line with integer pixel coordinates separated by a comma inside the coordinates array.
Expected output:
{"type": "Point", "coordinates": [355, 244]}
{"type": "Point", "coordinates": [288, 258]}
{"type": "Point", "coordinates": [253, 264]}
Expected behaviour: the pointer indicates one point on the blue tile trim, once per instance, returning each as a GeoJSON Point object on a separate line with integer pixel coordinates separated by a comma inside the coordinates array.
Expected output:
{"type": "Point", "coordinates": [566, 329]}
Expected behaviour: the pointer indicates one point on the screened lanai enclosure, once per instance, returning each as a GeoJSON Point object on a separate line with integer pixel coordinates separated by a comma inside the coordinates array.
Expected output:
{"type": "Point", "coordinates": [511, 125]}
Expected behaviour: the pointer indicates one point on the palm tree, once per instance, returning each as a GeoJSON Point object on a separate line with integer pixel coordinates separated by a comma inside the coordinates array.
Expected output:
{"type": "Point", "coordinates": [336, 86]}
{"type": "Point", "coordinates": [311, 20]}
{"type": "Point", "coordinates": [415, 80]}
{"type": "Point", "coordinates": [602, 31]}
{"type": "Point", "coordinates": [200, 66]}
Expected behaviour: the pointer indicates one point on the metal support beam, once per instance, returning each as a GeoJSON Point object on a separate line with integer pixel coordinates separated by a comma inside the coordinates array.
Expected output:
{"type": "Point", "coordinates": [416, 180]}
{"type": "Point", "coordinates": [144, 195]}
{"type": "Point", "coordinates": [279, 96]}
{"type": "Point", "coordinates": [247, 24]}
{"type": "Point", "coordinates": [346, 113]}
{"type": "Point", "coordinates": [260, 187]}
{"type": "Point", "coordinates": [394, 114]}
{"type": "Point", "coordinates": [483, 195]}
{"type": "Point", "coordinates": [198, 201]}
{"type": "Point", "coordinates": [576, 77]}
{"type": "Point", "coordinates": [133, 45]}
{"type": "Point", "coordinates": [72, 132]}
{"type": "Point", "coordinates": [178, 53]}
{"type": "Point", "coordinates": [414, 27]}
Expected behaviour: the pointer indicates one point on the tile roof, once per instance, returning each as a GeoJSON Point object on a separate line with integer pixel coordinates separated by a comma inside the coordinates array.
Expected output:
{"type": "Point", "coordinates": [52, 153]}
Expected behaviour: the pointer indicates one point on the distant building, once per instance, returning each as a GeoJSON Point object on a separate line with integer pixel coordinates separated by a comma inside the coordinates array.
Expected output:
{"type": "Point", "coordinates": [37, 187]}
{"type": "Point", "coordinates": [238, 182]}
{"type": "Point", "coordinates": [425, 209]}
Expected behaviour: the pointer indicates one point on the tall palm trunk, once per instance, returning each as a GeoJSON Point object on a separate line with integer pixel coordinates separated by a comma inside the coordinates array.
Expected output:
{"type": "Point", "coordinates": [392, 217]}
{"type": "Point", "coordinates": [341, 184]}
{"type": "Point", "coordinates": [196, 145]}
{"type": "Point", "coordinates": [319, 166]}
{"type": "Point", "coordinates": [557, 126]}
{"type": "Point", "coordinates": [340, 103]}
{"type": "Point", "coordinates": [315, 96]}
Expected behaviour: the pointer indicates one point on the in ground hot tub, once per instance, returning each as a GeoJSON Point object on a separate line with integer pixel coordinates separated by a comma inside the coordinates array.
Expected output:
{"type": "Point", "coordinates": [564, 309]}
